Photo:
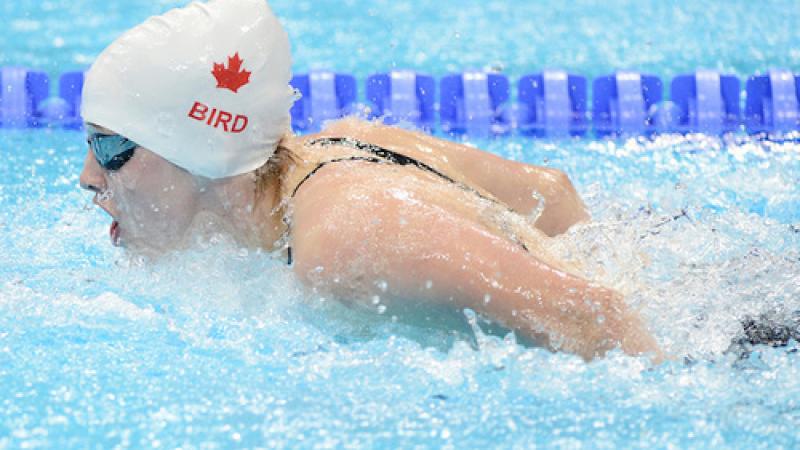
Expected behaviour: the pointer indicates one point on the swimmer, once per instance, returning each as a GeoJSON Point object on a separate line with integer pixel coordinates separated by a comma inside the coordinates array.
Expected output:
{"type": "Point", "coordinates": [187, 118]}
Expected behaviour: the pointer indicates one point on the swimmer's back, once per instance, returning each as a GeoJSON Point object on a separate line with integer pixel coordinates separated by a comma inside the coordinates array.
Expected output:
{"type": "Point", "coordinates": [518, 185]}
{"type": "Point", "coordinates": [429, 151]}
{"type": "Point", "coordinates": [362, 171]}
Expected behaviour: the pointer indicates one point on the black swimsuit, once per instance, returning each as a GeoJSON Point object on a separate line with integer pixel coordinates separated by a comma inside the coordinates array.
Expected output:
{"type": "Point", "coordinates": [382, 156]}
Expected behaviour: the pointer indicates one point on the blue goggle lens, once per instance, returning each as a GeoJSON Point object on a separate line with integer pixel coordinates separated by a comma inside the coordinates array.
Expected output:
{"type": "Point", "coordinates": [111, 151]}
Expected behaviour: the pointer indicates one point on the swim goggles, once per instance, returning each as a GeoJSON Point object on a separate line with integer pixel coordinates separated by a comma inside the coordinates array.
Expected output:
{"type": "Point", "coordinates": [111, 151]}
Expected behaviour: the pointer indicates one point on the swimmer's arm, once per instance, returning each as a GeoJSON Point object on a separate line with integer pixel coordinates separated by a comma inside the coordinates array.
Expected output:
{"type": "Point", "coordinates": [423, 253]}
{"type": "Point", "coordinates": [514, 183]}
{"type": "Point", "coordinates": [511, 182]}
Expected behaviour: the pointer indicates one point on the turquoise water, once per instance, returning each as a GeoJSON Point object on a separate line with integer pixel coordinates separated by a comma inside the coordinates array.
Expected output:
{"type": "Point", "coordinates": [359, 36]}
{"type": "Point", "coordinates": [218, 348]}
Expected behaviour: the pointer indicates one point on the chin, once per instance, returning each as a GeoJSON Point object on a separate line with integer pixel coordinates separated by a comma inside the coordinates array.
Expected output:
{"type": "Point", "coordinates": [146, 245]}
{"type": "Point", "coordinates": [163, 236]}
{"type": "Point", "coordinates": [146, 253]}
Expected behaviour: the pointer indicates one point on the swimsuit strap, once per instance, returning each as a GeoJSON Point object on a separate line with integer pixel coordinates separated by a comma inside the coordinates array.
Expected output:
{"type": "Point", "coordinates": [385, 155]}
{"type": "Point", "coordinates": [324, 163]}
{"type": "Point", "coordinates": [382, 156]}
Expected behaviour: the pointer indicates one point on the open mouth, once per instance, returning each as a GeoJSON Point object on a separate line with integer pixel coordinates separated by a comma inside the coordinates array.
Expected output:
{"type": "Point", "coordinates": [113, 232]}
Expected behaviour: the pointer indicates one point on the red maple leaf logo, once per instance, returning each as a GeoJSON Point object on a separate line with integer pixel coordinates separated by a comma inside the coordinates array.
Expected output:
{"type": "Point", "coordinates": [233, 77]}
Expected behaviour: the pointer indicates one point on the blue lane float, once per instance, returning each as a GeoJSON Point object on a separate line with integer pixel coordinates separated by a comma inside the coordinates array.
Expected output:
{"type": "Point", "coordinates": [402, 96]}
{"type": "Point", "coordinates": [552, 103]}
{"type": "Point", "coordinates": [324, 96]}
{"type": "Point", "coordinates": [70, 89]}
{"type": "Point", "coordinates": [708, 102]}
{"type": "Point", "coordinates": [22, 92]}
{"type": "Point", "coordinates": [623, 104]}
{"type": "Point", "coordinates": [472, 103]}
{"type": "Point", "coordinates": [64, 110]}
{"type": "Point", "coordinates": [772, 102]}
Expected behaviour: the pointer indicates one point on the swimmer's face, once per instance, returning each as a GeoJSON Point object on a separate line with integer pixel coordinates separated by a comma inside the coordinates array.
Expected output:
{"type": "Point", "coordinates": [151, 200]}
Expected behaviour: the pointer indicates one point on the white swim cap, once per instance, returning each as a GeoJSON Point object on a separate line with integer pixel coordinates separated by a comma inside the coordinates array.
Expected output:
{"type": "Point", "coordinates": [205, 86]}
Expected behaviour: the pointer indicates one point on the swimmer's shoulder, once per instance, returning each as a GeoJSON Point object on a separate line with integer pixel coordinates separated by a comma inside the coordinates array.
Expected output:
{"type": "Point", "coordinates": [425, 150]}
{"type": "Point", "coordinates": [414, 144]}
{"type": "Point", "coordinates": [360, 130]}
{"type": "Point", "coordinates": [349, 127]}
{"type": "Point", "coordinates": [308, 146]}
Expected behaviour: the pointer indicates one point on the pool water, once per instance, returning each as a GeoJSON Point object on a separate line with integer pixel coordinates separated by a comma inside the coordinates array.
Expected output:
{"type": "Point", "coordinates": [217, 347]}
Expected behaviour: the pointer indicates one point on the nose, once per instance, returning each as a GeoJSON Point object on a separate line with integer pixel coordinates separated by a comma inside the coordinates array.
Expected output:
{"type": "Point", "coordinates": [92, 174]}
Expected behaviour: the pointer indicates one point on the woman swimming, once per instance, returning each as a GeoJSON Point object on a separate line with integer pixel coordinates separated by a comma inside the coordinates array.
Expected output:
{"type": "Point", "coordinates": [188, 131]}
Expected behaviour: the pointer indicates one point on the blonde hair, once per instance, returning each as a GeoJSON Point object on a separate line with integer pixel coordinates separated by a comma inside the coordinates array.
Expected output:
{"type": "Point", "coordinates": [272, 172]}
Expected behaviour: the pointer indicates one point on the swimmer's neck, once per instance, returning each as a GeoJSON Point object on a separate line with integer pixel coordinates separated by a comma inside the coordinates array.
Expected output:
{"type": "Point", "coordinates": [254, 215]}
{"type": "Point", "coordinates": [233, 205]}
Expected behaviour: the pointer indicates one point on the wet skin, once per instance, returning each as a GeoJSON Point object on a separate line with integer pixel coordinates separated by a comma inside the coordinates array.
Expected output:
{"type": "Point", "coordinates": [364, 231]}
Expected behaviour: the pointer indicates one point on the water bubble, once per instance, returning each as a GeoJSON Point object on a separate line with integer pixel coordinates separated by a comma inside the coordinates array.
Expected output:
{"type": "Point", "coordinates": [105, 196]}
{"type": "Point", "coordinates": [537, 211]}
{"type": "Point", "coordinates": [297, 95]}
{"type": "Point", "coordinates": [511, 424]}
{"type": "Point", "coordinates": [470, 315]}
